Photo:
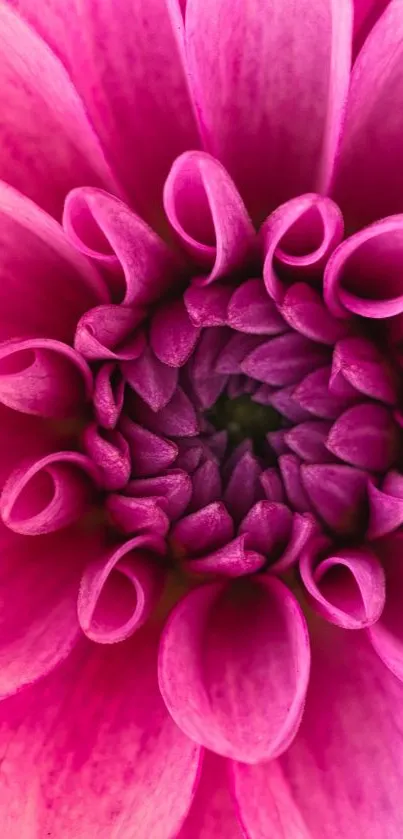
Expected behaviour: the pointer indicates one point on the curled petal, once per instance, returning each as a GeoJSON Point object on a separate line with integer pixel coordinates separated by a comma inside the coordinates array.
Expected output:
{"type": "Point", "coordinates": [207, 214]}
{"type": "Point", "coordinates": [110, 332]}
{"type": "Point", "coordinates": [236, 692]}
{"type": "Point", "coordinates": [202, 532]}
{"type": "Point", "coordinates": [273, 530]}
{"type": "Point", "coordinates": [108, 395]}
{"type": "Point", "coordinates": [365, 436]}
{"type": "Point", "coordinates": [347, 587]}
{"type": "Point", "coordinates": [154, 381]}
{"type": "Point", "coordinates": [43, 377]}
{"type": "Point", "coordinates": [49, 494]}
{"type": "Point", "coordinates": [118, 591]}
{"type": "Point", "coordinates": [173, 336]}
{"type": "Point", "coordinates": [298, 240]}
{"type": "Point", "coordinates": [385, 506]}
{"type": "Point", "coordinates": [149, 453]}
{"type": "Point", "coordinates": [252, 310]}
{"type": "Point", "coordinates": [110, 452]}
{"type": "Point", "coordinates": [387, 634]}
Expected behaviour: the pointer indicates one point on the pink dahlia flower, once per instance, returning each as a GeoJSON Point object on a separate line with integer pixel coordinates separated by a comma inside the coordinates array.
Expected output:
{"type": "Point", "coordinates": [201, 419]}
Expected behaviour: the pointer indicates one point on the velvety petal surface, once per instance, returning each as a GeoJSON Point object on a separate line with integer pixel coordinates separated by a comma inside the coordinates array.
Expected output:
{"type": "Point", "coordinates": [212, 815]}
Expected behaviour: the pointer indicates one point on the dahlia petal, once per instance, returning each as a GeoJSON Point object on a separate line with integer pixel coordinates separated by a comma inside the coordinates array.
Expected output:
{"type": "Point", "coordinates": [48, 494]}
{"type": "Point", "coordinates": [284, 360]}
{"type": "Point", "coordinates": [290, 468]}
{"type": "Point", "coordinates": [172, 334]}
{"type": "Point", "coordinates": [43, 377]}
{"type": "Point", "coordinates": [108, 397]}
{"type": "Point", "coordinates": [175, 419]}
{"type": "Point", "coordinates": [38, 604]}
{"type": "Point", "coordinates": [191, 453]}
{"type": "Point", "coordinates": [243, 488]}
{"type": "Point", "coordinates": [272, 485]}
{"type": "Point", "coordinates": [149, 267]}
{"type": "Point", "coordinates": [212, 814]}
{"type": "Point", "coordinates": [206, 485]}
{"type": "Point", "coordinates": [301, 93]}
{"type": "Point", "coordinates": [109, 450]}
{"type": "Point", "coordinates": [45, 157]}
{"type": "Point", "coordinates": [385, 506]}
{"type": "Point", "coordinates": [364, 367]}
{"type": "Point", "coordinates": [304, 310]}
{"type": "Point", "coordinates": [308, 441]}
{"type": "Point", "coordinates": [283, 401]}
{"type": "Point", "coordinates": [211, 343]}
{"type": "Point", "coordinates": [35, 251]}
{"type": "Point", "coordinates": [338, 494]}
{"type": "Point", "coordinates": [342, 775]}
{"type": "Point", "coordinates": [274, 531]}
{"type": "Point", "coordinates": [174, 491]}
{"type": "Point", "coordinates": [149, 453]}
{"type": "Point", "coordinates": [235, 350]}
{"type": "Point", "coordinates": [363, 276]}
{"type": "Point", "coordinates": [110, 332]}
{"type": "Point", "coordinates": [232, 560]}
{"type": "Point", "coordinates": [252, 310]}
{"type": "Point", "coordinates": [315, 394]}
{"type": "Point", "coordinates": [387, 634]}
{"type": "Point", "coordinates": [277, 441]}
{"type": "Point", "coordinates": [244, 693]}
{"type": "Point", "coordinates": [366, 14]}
{"type": "Point", "coordinates": [203, 531]}
{"type": "Point", "coordinates": [208, 305]}
{"type": "Point", "coordinates": [154, 381]}
{"type": "Point", "coordinates": [60, 738]}
{"type": "Point", "coordinates": [368, 183]}
{"type": "Point", "coordinates": [263, 394]}
{"type": "Point", "coordinates": [365, 436]}
{"type": "Point", "coordinates": [119, 590]}
{"type": "Point", "coordinates": [298, 239]}
{"type": "Point", "coordinates": [137, 515]}
{"type": "Point", "coordinates": [347, 588]}
{"type": "Point", "coordinates": [207, 214]}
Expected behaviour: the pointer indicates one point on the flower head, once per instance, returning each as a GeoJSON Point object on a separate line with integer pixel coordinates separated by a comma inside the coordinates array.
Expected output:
{"type": "Point", "coordinates": [201, 503]}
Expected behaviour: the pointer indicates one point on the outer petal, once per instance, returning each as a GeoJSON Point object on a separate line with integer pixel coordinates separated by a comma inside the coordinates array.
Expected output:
{"type": "Point", "coordinates": [125, 65]}
{"type": "Point", "coordinates": [342, 776]}
{"type": "Point", "coordinates": [387, 634]}
{"type": "Point", "coordinates": [234, 666]}
{"type": "Point", "coordinates": [369, 179]}
{"type": "Point", "coordinates": [366, 14]}
{"type": "Point", "coordinates": [91, 751]}
{"type": "Point", "coordinates": [47, 144]}
{"type": "Point", "coordinates": [212, 815]}
{"type": "Point", "coordinates": [264, 76]}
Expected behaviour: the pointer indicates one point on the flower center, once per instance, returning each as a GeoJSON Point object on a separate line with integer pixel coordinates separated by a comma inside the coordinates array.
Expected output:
{"type": "Point", "coordinates": [244, 419]}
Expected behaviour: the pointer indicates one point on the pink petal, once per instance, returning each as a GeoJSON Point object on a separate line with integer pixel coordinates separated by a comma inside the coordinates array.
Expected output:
{"type": "Point", "coordinates": [94, 219]}
{"type": "Point", "coordinates": [243, 488]}
{"type": "Point", "coordinates": [102, 708]}
{"type": "Point", "coordinates": [368, 181]}
{"type": "Point", "coordinates": [366, 369]}
{"type": "Point", "coordinates": [316, 394]}
{"type": "Point", "coordinates": [363, 275]}
{"type": "Point", "coordinates": [237, 691]}
{"type": "Point", "coordinates": [290, 469]}
{"type": "Point", "coordinates": [284, 360]}
{"type": "Point", "coordinates": [308, 441]}
{"type": "Point", "coordinates": [207, 305]}
{"type": "Point", "coordinates": [342, 776]}
{"type": "Point", "coordinates": [212, 814]}
{"type": "Point", "coordinates": [39, 603]}
{"type": "Point", "coordinates": [365, 436]}
{"type": "Point", "coordinates": [283, 401]}
{"type": "Point", "coordinates": [305, 311]}
{"type": "Point", "coordinates": [207, 214]}
{"type": "Point", "coordinates": [203, 531]}
{"type": "Point", "coordinates": [387, 635]}
{"type": "Point", "coordinates": [173, 489]}
{"type": "Point", "coordinates": [119, 590]}
{"type": "Point", "coordinates": [272, 485]}
{"type": "Point", "coordinates": [338, 494]}
{"type": "Point", "coordinates": [277, 533]}
{"type": "Point", "coordinates": [385, 506]}
{"type": "Point", "coordinates": [235, 351]}
{"type": "Point", "coordinates": [172, 334]}
{"type": "Point", "coordinates": [206, 485]}
{"type": "Point", "coordinates": [109, 450]}
{"type": "Point", "coordinates": [366, 14]}
{"type": "Point", "coordinates": [176, 419]}
{"type": "Point", "coordinates": [35, 251]}
{"type": "Point", "coordinates": [149, 453]}
{"type": "Point", "coordinates": [142, 117]}
{"type": "Point", "coordinates": [251, 310]}
{"type": "Point", "coordinates": [43, 377]}
{"type": "Point", "coordinates": [44, 495]}
{"type": "Point", "coordinates": [154, 381]}
{"type": "Point", "coordinates": [298, 239]}
{"type": "Point", "coordinates": [59, 149]}
{"type": "Point", "coordinates": [110, 333]}
{"type": "Point", "coordinates": [108, 395]}
{"type": "Point", "coordinates": [232, 560]}
{"type": "Point", "coordinates": [137, 515]}
{"type": "Point", "coordinates": [301, 93]}
{"type": "Point", "coordinates": [346, 587]}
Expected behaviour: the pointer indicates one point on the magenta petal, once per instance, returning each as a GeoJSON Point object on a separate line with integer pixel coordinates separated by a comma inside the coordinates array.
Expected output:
{"type": "Point", "coordinates": [363, 275]}
{"type": "Point", "coordinates": [364, 367]}
{"type": "Point", "coordinates": [100, 708]}
{"type": "Point", "coordinates": [108, 395]}
{"type": "Point", "coordinates": [109, 450]}
{"type": "Point", "coordinates": [267, 527]}
{"type": "Point", "coordinates": [243, 488]}
{"type": "Point", "coordinates": [387, 635]}
{"type": "Point", "coordinates": [283, 360]}
{"type": "Point", "coordinates": [232, 560]}
{"type": "Point", "coordinates": [137, 515]}
{"type": "Point", "coordinates": [149, 266]}
{"type": "Point", "coordinates": [315, 394]}
{"type": "Point", "coordinates": [365, 436]}
{"type": "Point", "coordinates": [234, 352]}
{"type": "Point", "coordinates": [47, 494]}
{"type": "Point", "coordinates": [237, 692]}
{"type": "Point", "coordinates": [366, 14]}
{"type": "Point", "coordinates": [290, 468]}
{"type": "Point", "coordinates": [175, 419]}
{"type": "Point", "coordinates": [346, 587]}
{"type": "Point", "coordinates": [208, 305]}
{"type": "Point", "coordinates": [119, 590]}
{"type": "Point", "coordinates": [110, 332]}
{"type": "Point", "coordinates": [149, 453]}
{"type": "Point", "coordinates": [154, 381]}
{"type": "Point", "coordinates": [172, 334]}
{"type": "Point", "coordinates": [304, 310]}
{"type": "Point", "coordinates": [59, 149]}
{"type": "Point", "coordinates": [338, 494]}
{"type": "Point", "coordinates": [207, 214]}
{"type": "Point", "coordinates": [203, 531]}
{"type": "Point", "coordinates": [283, 401]}
{"type": "Point", "coordinates": [272, 485]}
{"type": "Point", "coordinates": [368, 179]}
{"type": "Point", "coordinates": [328, 785]}
{"type": "Point", "coordinates": [385, 506]}
{"type": "Point", "coordinates": [206, 485]}
{"type": "Point", "coordinates": [251, 310]}
{"type": "Point", "coordinates": [212, 814]}
{"type": "Point", "coordinates": [173, 490]}
{"type": "Point", "coordinates": [43, 377]}
{"type": "Point", "coordinates": [301, 93]}
{"type": "Point", "coordinates": [308, 441]}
